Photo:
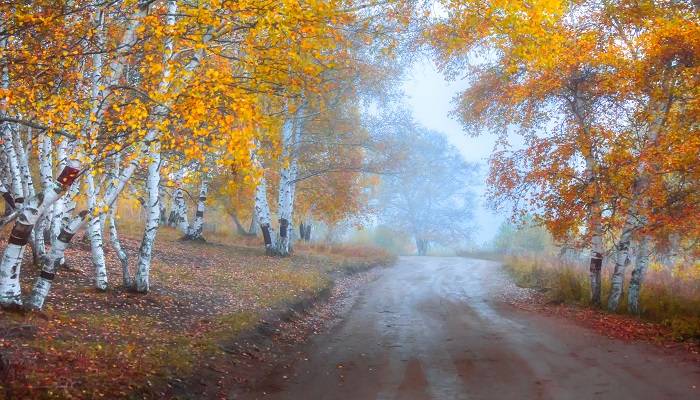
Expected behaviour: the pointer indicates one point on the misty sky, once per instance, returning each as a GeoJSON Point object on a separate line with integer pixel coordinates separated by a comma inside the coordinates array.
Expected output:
{"type": "Point", "coordinates": [430, 98]}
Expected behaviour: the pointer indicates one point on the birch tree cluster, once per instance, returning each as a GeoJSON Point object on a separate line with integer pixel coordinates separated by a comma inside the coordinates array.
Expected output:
{"type": "Point", "coordinates": [604, 97]}
{"type": "Point", "coordinates": [101, 98]}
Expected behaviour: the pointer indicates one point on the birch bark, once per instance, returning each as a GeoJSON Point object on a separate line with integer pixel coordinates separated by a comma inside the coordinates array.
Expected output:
{"type": "Point", "coordinates": [638, 273]}
{"type": "Point", "coordinates": [143, 265]}
{"type": "Point", "coordinates": [10, 291]}
{"type": "Point", "coordinates": [262, 208]}
{"type": "Point", "coordinates": [95, 232]}
{"type": "Point", "coordinates": [196, 231]}
{"type": "Point", "coordinates": [635, 218]}
{"type": "Point", "coordinates": [8, 140]}
{"type": "Point", "coordinates": [284, 197]}
{"type": "Point", "coordinates": [116, 245]}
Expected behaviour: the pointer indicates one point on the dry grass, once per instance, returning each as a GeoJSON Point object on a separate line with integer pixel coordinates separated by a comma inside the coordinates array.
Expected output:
{"type": "Point", "coordinates": [669, 296]}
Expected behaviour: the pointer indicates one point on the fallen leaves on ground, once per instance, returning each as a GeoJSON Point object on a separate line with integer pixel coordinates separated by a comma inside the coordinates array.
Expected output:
{"type": "Point", "coordinates": [118, 344]}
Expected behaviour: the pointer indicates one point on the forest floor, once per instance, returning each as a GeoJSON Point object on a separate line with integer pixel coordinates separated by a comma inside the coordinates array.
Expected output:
{"type": "Point", "coordinates": [219, 318]}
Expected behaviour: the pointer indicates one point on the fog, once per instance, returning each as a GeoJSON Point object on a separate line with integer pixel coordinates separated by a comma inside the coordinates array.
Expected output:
{"type": "Point", "coordinates": [430, 97]}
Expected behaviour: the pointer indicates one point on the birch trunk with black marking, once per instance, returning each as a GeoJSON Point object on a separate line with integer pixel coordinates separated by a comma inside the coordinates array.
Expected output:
{"type": "Point", "coordinates": [29, 213]}
{"type": "Point", "coordinates": [8, 141]}
{"type": "Point", "coordinates": [639, 272]}
{"type": "Point", "coordinates": [95, 232]}
{"type": "Point", "coordinates": [57, 217]}
{"type": "Point", "coordinates": [46, 176]}
{"type": "Point", "coordinates": [36, 241]}
{"type": "Point", "coordinates": [622, 261]}
{"type": "Point", "coordinates": [262, 210]}
{"type": "Point", "coordinates": [143, 265]}
{"type": "Point", "coordinates": [53, 262]}
{"type": "Point", "coordinates": [197, 224]}
{"type": "Point", "coordinates": [284, 198]}
{"type": "Point", "coordinates": [163, 219]}
{"type": "Point", "coordinates": [94, 225]}
{"type": "Point", "coordinates": [113, 235]}
{"type": "Point", "coordinates": [181, 211]}
{"type": "Point", "coordinates": [635, 218]}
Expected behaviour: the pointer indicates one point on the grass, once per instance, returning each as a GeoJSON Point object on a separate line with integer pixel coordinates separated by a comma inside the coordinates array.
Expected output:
{"type": "Point", "coordinates": [669, 296]}
{"type": "Point", "coordinates": [116, 344]}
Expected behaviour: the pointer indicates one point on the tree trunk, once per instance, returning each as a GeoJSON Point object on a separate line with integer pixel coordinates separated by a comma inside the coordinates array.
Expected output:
{"type": "Point", "coordinates": [595, 270]}
{"type": "Point", "coordinates": [621, 262]}
{"type": "Point", "coordinates": [181, 206]}
{"type": "Point", "coordinates": [197, 224]}
{"type": "Point", "coordinates": [307, 232]}
{"type": "Point", "coordinates": [163, 217]}
{"type": "Point", "coordinates": [114, 237]}
{"type": "Point", "coordinates": [285, 200]}
{"type": "Point", "coordinates": [53, 262]}
{"type": "Point", "coordinates": [421, 246]}
{"type": "Point", "coordinates": [95, 232]}
{"type": "Point", "coordinates": [143, 266]}
{"type": "Point", "coordinates": [10, 291]}
{"type": "Point", "coordinates": [638, 273]}
{"type": "Point", "coordinates": [117, 246]}
{"type": "Point", "coordinates": [59, 206]}
{"type": "Point", "coordinates": [262, 210]}
{"type": "Point", "coordinates": [253, 228]}
{"type": "Point", "coordinates": [239, 228]}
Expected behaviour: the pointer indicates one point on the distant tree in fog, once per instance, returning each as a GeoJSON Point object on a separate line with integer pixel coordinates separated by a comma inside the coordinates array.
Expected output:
{"type": "Point", "coordinates": [429, 194]}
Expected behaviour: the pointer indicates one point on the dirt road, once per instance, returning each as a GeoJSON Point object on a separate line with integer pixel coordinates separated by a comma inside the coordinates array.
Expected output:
{"type": "Point", "coordinates": [437, 328]}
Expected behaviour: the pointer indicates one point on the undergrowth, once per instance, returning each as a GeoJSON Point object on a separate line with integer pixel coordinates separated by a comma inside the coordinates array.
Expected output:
{"type": "Point", "coordinates": [667, 297]}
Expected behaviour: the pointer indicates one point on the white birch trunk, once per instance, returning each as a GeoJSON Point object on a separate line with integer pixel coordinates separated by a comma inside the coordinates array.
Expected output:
{"type": "Point", "coordinates": [253, 228]}
{"type": "Point", "coordinates": [638, 203]}
{"type": "Point", "coordinates": [284, 197]}
{"type": "Point", "coordinates": [95, 232]}
{"type": "Point", "coordinates": [8, 140]}
{"type": "Point", "coordinates": [59, 205]}
{"type": "Point", "coordinates": [117, 246]}
{"type": "Point", "coordinates": [262, 210]}
{"type": "Point", "coordinates": [53, 262]}
{"type": "Point", "coordinates": [197, 224]}
{"type": "Point", "coordinates": [180, 209]}
{"type": "Point", "coordinates": [143, 265]}
{"type": "Point", "coordinates": [621, 262]}
{"type": "Point", "coordinates": [10, 291]}
{"type": "Point", "coordinates": [36, 241]}
{"type": "Point", "coordinates": [638, 274]}
{"type": "Point", "coordinates": [46, 176]}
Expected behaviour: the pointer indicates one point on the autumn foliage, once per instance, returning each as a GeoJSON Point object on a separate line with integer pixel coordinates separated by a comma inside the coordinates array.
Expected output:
{"type": "Point", "coordinates": [604, 99]}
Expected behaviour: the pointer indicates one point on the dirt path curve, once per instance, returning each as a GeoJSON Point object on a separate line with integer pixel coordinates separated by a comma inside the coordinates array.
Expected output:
{"type": "Point", "coordinates": [436, 328]}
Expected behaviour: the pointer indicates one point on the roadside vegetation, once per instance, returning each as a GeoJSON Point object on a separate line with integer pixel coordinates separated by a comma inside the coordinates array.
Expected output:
{"type": "Point", "coordinates": [670, 297]}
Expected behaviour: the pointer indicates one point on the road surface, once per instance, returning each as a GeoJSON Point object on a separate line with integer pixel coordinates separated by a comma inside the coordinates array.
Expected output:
{"type": "Point", "coordinates": [435, 328]}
